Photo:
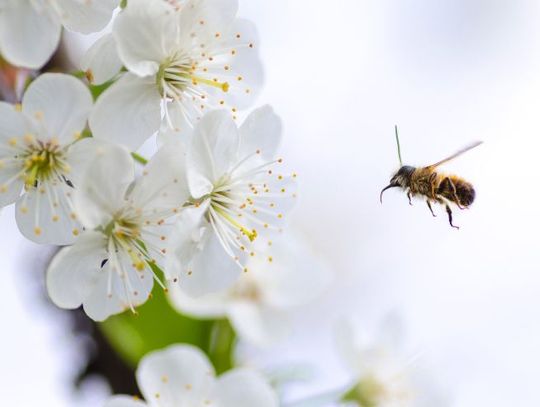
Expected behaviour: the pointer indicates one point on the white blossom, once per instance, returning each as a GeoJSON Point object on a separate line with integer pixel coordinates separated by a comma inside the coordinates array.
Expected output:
{"type": "Point", "coordinates": [126, 224]}
{"type": "Point", "coordinates": [101, 61]}
{"type": "Point", "coordinates": [182, 376]}
{"type": "Point", "coordinates": [259, 303]}
{"type": "Point", "coordinates": [42, 158]}
{"type": "Point", "coordinates": [194, 54]}
{"type": "Point", "coordinates": [30, 29]}
{"type": "Point", "coordinates": [239, 195]}
{"type": "Point", "coordinates": [384, 373]}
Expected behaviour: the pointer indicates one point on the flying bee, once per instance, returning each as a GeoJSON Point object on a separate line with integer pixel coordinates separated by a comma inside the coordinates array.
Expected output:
{"type": "Point", "coordinates": [435, 187]}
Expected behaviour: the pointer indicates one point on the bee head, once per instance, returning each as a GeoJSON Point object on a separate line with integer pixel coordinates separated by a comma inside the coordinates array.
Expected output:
{"type": "Point", "coordinates": [401, 178]}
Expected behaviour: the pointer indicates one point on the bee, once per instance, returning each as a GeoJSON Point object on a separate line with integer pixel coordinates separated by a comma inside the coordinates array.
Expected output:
{"type": "Point", "coordinates": [434, 186]}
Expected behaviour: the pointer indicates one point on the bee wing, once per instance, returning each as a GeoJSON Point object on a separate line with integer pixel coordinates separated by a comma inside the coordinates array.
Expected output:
{"type": "Point", "coordinates": [456, 154]}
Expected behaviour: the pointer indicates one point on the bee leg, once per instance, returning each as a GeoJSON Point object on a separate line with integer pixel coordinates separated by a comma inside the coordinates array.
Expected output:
{"type": "Point", "coordinates": [433, 184]}
{"type": "Point", "coordinates": [430, 208]}
{"type": "Point", "coordinates": [409, 195]}
{"type": "Point", "coordinates": [449, 212]}
{"type": "Point", "coordinates": [454, 193]}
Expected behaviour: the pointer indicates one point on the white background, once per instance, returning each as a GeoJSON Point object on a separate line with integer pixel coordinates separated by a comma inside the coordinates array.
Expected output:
{"type": "Point", "coordinates": [341, 74]}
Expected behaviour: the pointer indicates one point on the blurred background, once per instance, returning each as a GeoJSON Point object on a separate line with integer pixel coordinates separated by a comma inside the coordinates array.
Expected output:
{"type": "Point", "coordinates": [341, 74]}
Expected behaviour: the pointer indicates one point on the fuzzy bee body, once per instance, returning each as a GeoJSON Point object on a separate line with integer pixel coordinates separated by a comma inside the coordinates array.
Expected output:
{"type": "Point", "coordinates": [464, 191]}
{"type": "Point", "coordinates": [433, 186]}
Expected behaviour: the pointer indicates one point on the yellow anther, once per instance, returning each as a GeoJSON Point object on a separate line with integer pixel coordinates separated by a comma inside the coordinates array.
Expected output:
{"type": "Point", "coordinates": [224, 86]}
{"type": "Point", "coordinates": [37, 231]}
{"type": "Point", "coordinates": [252, 235]}
{"type": "Point", "coordinates": [89, 75]}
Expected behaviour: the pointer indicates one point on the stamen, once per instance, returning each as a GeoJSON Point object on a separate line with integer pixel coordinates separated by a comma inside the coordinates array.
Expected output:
{"type": "Point", "coordinates": [224, 86]}
{"type": "Point", "coordinates": [252, 235]}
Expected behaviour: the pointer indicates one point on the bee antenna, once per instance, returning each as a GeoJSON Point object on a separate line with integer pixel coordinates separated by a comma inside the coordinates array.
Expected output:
{"type": "Point", "coordinates": [398, 146]}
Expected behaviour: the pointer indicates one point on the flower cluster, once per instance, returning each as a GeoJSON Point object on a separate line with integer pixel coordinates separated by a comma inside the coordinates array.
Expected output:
{"type": "Point", "coordinates": [211, 192]}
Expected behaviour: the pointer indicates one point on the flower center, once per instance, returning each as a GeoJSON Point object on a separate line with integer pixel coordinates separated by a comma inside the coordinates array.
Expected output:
{"type": "Point", "coordinates": [42, 161]}
{"type": "Point", "coordinates": [179, 76]}
{"type": "Point", "coordinates": [220, 201]}
{"type": "Point", "coordinates": [247, 199]}
{"type": "Point", "coordinates": [247, 290]}
{"type": "Point", "coordinates": [125, 234]}
{"type": "Point", "coordinates": [371, 392]}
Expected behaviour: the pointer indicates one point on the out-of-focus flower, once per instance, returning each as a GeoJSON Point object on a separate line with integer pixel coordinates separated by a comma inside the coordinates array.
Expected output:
{"type": "Point", "coordinates": [237, 197]}
{"type": "Point", "coordinates": [110, 268]}
{"type": "Point", "coordinates": [182, 376]}
{"type": "Point", "coordinates": [259, 303]}
{"type": "Point", "coordinates": [30, 29]}
{"type": "Point", "coordinates": [193, 54]}
{"type": "Point", "coordinates": [41, 155]}
{"type": "Point", "coordinates": [384, 375]}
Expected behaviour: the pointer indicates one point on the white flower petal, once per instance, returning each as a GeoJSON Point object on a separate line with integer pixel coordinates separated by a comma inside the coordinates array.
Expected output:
{"type": "Point", "coordinates": [44, 215]}
{"type": "Point", "coordinates": [174, 126]}
{"type": "Point", "coordinates": [86, 16]}
{"type": "Point", "coordinates": [101, 62]}
{"type": "Point", "coordinates": [244, 388]}
{"type": "Point", "coordinates": [12, 126]}
{"type": "Point", "coordinates": [11, 185]}
{"type": "Point", "coordinates": [244, 73]}
{"type": "Point", "coordinates": [129, 112]}
{"type": "Point", "coordinates": [101, 190]}
{"type": "Point", "coordinates": [261, 131]}
{"type": "Point", "coordinates": [184, 240]}
{"type": "Point", "coordinates": [97, 304]}
{"type": "Point", "coordinates": [206, 306]}
{"type": "Point", "coordinates": [145, 33]}
{"type": "Point", "coordinates": [28, 37]}
{"type": "Point", "coordinates": [118, 290]}
{"type": "Point", "coordinates": [163, 184]}
{"type": "Point", "coordinates": [13, 123]}
{"type": "Point", "coordinates": [217, 15]}
{"type": "Point", "coordinates": [180, 375]}
{"type": "Point", "coordinates": [246, 64]}
{"type": "Point", "coordinates": [61, 102]}
{"type": "Point", "coordinates": [258, 324]}
{"type": "Point", "coordinates": [197, 257]}
{"type": "Point", "coordinates": [211, 268]}
{"type": "Point", "coordinates": [213, 151]}
{"type": "Point", "coordinates": [83, 153]}
{"type": "Point", "coordinates": [124, 401]}
{"type": "Point", "coordinates": [72, 273]}
{"type": "Point", "coordinates": [294, 277]}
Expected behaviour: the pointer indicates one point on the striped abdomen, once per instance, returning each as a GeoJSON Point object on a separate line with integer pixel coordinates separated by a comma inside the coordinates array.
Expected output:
{"type": "Point", "coordinates": [464, 191]}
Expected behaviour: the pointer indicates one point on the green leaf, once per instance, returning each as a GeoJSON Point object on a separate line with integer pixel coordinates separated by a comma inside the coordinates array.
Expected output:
{"type": "Point", "coordinates": [157, 325]}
